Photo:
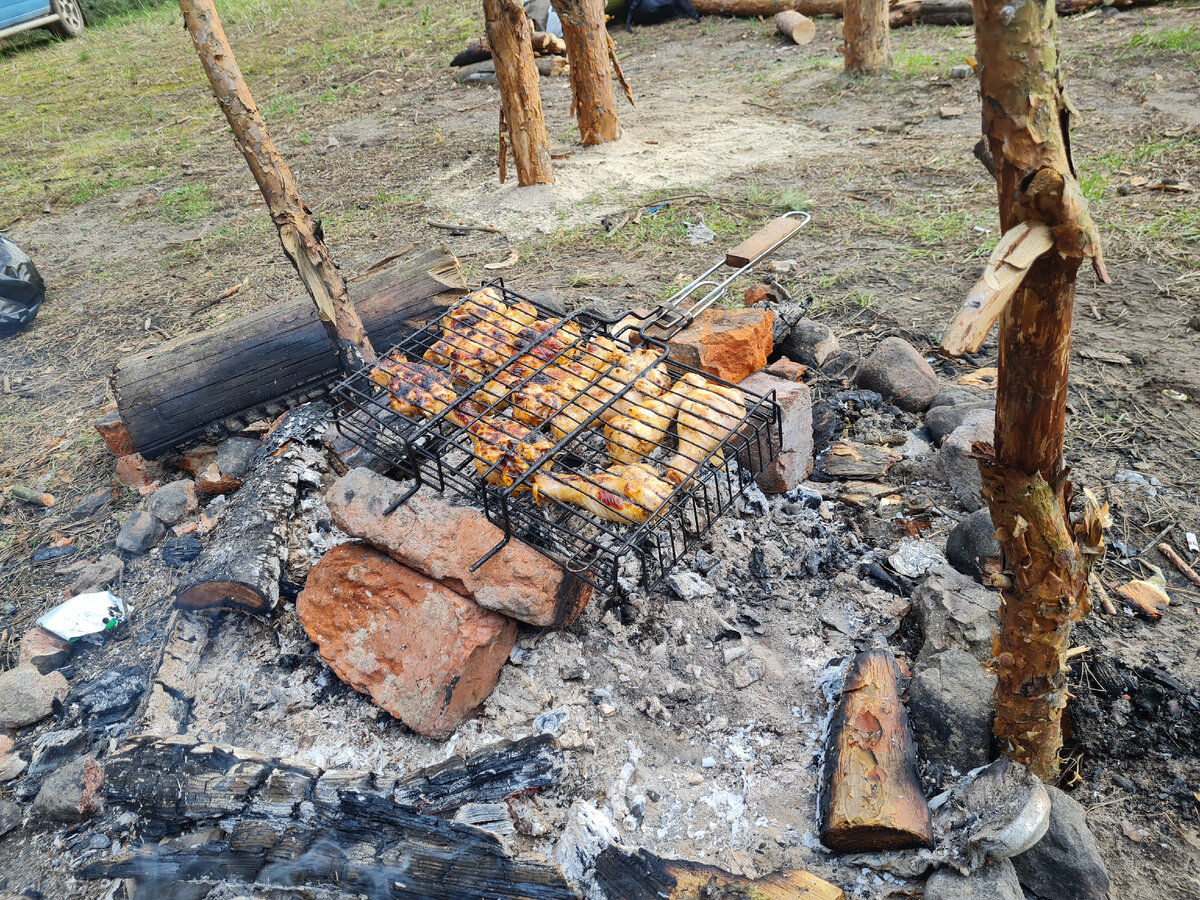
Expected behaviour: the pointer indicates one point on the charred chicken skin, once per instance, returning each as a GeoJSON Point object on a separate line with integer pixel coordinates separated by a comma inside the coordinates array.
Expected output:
{"type": "Point", "coordinates": [708, 414]}
{"type": "Point", "coordinates": [480, 335]}
{"type": "Point", "coordinates": [628, 494]}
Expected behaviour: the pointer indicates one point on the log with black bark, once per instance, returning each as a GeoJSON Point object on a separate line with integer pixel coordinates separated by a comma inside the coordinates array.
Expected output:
{"type": "Point", "coordinates": [291, 823]}
{"type": "Point", "coordinates": [521, 122]}
{"type": "Point", "coordinates": [871, 797]}
{"type": "Point", "coordinates": [299, 233]}
{"type": "Point", "coordinates": [478, 50]}
{"type": "Point", "coordinates": [241, 564]}
{"type": "Point", "coordinates": [209, 384]}
{"type": "Point", "coordinates": [593, 100]}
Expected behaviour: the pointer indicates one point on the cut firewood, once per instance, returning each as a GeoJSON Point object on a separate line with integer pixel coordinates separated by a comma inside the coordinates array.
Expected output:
{"type": "Point", "coordinates": [241, 564]}
{"type": "Point", "coordinates": [1179, 563]}
{"type": "Point", "coordinates": [871, 796]}
{"type": "Point", "coordinates": [522, 124]}
{"type": "Point", "coordinates": [1007, 267]}
{"type": "Point", "coordinates": [290, 822]}
{"type": "Point", "coordinates": [212, 383]}
{"type": "Point", "coordinates": [299, 233]}
{"type": "Point", "coordinates": [593, 101]}
{"type": "Point", "coordinates": [799, 27]}
{"type": "Point", "coordinates": [478, 50]}
{"type": "Point", "coordinates": [29, 495]}
{"type": "Point", "coordinates": [168, 704]}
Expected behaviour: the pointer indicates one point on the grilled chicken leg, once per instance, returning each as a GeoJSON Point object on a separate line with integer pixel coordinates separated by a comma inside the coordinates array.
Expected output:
{"type": "Point", "coordinates": [708, 414]}
{"type": "Point", "coordinates": [628, 494]}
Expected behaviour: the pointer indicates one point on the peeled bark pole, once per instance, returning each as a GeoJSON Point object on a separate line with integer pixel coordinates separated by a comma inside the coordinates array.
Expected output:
{"type": "Point", "coordinates": [521, 122]}
{"type": "Point", "coordinates": [298, 232]}
{"type": "Point", "coordinates": [1025, 119]}
{"type": "Point", "coordinates": [593, 100]}
{"type": "Point", "coordinates": [867, 33]}
{"type": "Point", "coordinates": [871, 796]}
{"type": "Point", "coordinates": [799, 27]}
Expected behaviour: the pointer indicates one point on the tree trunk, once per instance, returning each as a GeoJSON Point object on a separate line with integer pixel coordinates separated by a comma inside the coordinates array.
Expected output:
{"type": "Point", "coordinates": [214, 382]}
{"type": "Point", "coordinates": [867, 37]}
{"type": "Point", "coordinates": [242, 562]}
{"type": "Point", "coordinates": [299, 233]}
{"type": "Point", "coordinates": [871, 797]}
{"type": "Point", "coordinates": [593, 100]}
{"type": "Point", "coordinates": [1025, 122]}
{"type": "Point", "coordinates": [521, 122]}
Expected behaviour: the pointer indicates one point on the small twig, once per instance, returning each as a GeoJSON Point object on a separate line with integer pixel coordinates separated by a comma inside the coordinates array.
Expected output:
{"type": "Point", "coordinates": [1178, 562]}
{"type": "Point", "coordinates": [453, 226]}
{"type": "Point", "coordinates": [1096, 806]}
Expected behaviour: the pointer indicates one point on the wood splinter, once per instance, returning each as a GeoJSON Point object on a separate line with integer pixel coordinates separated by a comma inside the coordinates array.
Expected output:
{"type": "Point", "coordinates": [871, 796]}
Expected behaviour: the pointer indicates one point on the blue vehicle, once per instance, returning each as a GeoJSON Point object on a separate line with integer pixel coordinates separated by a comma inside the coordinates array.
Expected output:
{"type": "Point", "coordinates": [63, 17]}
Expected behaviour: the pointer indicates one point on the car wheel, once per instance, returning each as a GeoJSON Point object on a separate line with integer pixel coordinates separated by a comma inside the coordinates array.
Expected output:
{"type": "Point", "coordinates": [70, 18]}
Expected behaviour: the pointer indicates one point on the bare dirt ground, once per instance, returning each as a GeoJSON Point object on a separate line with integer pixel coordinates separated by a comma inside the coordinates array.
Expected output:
{"type": "Point", "coordinates": [733, 125]}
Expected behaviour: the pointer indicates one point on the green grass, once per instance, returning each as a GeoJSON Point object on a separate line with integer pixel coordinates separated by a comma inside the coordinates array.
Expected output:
{"type": "Point", "coordinates": [1180, 39]}
{"type": "Point", "coordinates": [123, 104]}
{"type": "Point", "coordinates": [186, 203]}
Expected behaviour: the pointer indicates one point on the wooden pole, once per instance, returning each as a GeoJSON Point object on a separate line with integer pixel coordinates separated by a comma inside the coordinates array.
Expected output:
{"type": "Point", "coordinates": [867, 37]}
{"type": "Point", "coordinates": [1025, 120]}
{"type": "Point", "coordinates": [299, 233]}
{"type": "Point", "coordinates": [521, 122]}
{"type": "Point", "coordinates": [593, 100]}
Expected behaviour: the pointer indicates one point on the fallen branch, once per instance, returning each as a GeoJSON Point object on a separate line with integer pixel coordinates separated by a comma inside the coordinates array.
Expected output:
{"type": "Point", "coordinates": [1178, 562]}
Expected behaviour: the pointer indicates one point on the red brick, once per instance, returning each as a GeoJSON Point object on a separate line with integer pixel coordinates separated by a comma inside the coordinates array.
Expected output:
{"type": "Point", "coordinates": [43, 650]}
{"type": "Point", "coordinates": [786, 369]}
{"type": "Point", "coordinates": [443, 541]}
{"type": "Point", "coordinates": [112, 429]}
{"type": "Point", "coordinates": [422, 652]}
{"type": "Point", "coordinates": [728, 343]}
{"type": "Point", "coordinates": [795, 460]}
{"type": "Point", "coordinates": [211, 481]}
{"type": "Point", "coordinates": [135, 472]}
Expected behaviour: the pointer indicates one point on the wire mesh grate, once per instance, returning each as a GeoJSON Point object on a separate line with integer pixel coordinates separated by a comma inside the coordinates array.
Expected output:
{"type": "Point", "coordinates": [572, 434]}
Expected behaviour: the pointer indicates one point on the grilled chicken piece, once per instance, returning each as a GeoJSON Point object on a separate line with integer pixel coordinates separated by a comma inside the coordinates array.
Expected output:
{"type": "Point", "coordinates": [708, 414]}
{"type": "Point", "coordinates": [633, 435]}
{"type": "Point", "coordinates": [416, 389]}
{"type": "Point", "coordinates": [545, 342]}
{"type": "Point", "coordinates": [503, 450]}
{"type": "Point", "coordinates": [629, 494]}
{"type": "Point", "coordinates": [480, 335]}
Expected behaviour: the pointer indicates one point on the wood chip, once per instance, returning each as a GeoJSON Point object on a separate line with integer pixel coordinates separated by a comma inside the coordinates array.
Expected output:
{"type": "Point", "coordinates": [1145, 597]}
{"type": "Point", "coordinates": [1117, 359]}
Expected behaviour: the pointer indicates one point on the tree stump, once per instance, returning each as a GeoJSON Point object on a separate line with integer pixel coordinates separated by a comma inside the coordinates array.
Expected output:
{"type": "Point", "coordinates": [521, 121]}
{"type": "Point", "coordinates": [593, 100]}
{"type": "Point", "coordinates": [867, 37]}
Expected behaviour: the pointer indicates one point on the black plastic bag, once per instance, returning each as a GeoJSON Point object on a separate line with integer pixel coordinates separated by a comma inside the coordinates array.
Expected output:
{"type": "Point", "coordinates": [21, 288]}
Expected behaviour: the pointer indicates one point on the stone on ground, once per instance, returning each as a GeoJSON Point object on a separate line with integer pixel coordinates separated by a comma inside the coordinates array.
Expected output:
{"type": "Point", "coordinates": [972, 543]}
{"type": "Point", "coordinates": [1066, 863]}
{"type": "Point", "coordinates": [43, 650]}
{"type": "Point", "coordinates": [98, 576]}
{"type": "Point", "coordinates": [727, 343]}
{"type": "Point", "coordinates": [950, 703]}
{"type": "Point", "coordinates": [140, 532]}
{"type": "Point", "coordinates": [174, 502]}
{"type": "Point", "coordinates": [422, 652]}
{"type": "Point", "coordinates": [433, 536]}
{"type": "Point", "coordinates": [940, 421]}
{"type": "Point", "coordinates": [11, 762]}
{"type": "Point", "coordinates": [955, 612]}
{"type": "Point", "coordinates": [897, 371]}
{"type": "Point", "coordinates": [992, 813]}
{"type": "Point", "coordinates": [73, 793]}
{"type": "Point", "coordinates": [233, 455]}
{"type": "Point", "coordinates": [811, 343]}
{"type": "Point", "coordinates": [27, 696]}
{"type": "Point", "coordinates": [795, 459]}
{"type": "Point", "coordinates": [10, 816]}
{"type": "Point", "coordinates": [995, 881]}
{"type": "Point", "coordinates": [960, 470]}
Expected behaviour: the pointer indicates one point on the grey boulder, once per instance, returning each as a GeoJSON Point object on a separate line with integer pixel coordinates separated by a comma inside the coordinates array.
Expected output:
{"type": "Point", "coordinates": [994, 881]}
{"type": "Point", "coordinates": [950, 703]}
{"type": "Point", "coordinates": [1066, 863]}
{"type": "Point", "coordinates": [900, 374]}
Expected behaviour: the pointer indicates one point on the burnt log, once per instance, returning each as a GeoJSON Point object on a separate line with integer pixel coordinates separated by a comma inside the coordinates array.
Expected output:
{"type": "Point", "coordinates": [242, 562]}
{"type": "Point", "coordinates": [871, 797]}
{"type": "Point", "coordinates": [290, 823]}
{"type": "Point", "coordinates": [479, 49]}
{"type": "Point", "coordinates": [213, 383]}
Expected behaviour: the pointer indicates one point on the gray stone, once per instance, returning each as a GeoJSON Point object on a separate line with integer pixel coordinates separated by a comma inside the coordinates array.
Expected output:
{"type": "Point", "coordinates": [10, 816]}
{"type": "Point", "coordinates": [840, 364]}
{"type": "Point", "coordinates": [233, 455]}
{"type": "Point", "coordinates": [950, 703]}
{"type": "Point", "coordinates": [954, 611]}
{"type": "Point", "coordinates": [900, 374]}
{"type": "Point", "coordinates": [90, 504]}
{"type": "Point", "coordinates": [549, 300]}
{"type": "Point", "coordinates": [689, 586]}
{"type": "Point", "coordinates": [795, 459]}
{"type": "Point", "coordinates": [995, 881]}
{"type": "Point", "coordinates": [71, 794]}
{"type": "Point", "coordinates": [960, 470]}
{"type": "Point", "coordinates": [952, 396]}
{"type": "Point", "coordinates": [98, 576]}
{"type": "Point", "coordinates": [140, 532]}
{"type": "Point", "coordinates": [971, 543]}
{"type": "Point", "coordinates": [811, 343]}
{"type": "Point", "coordinates": [1066, 863]}
{"type": "Point", "coordinates": [940, 421]}
{"type": "Point", "coordinates": [960, 72]}
{"type": "Point", "coordinates": [27, 696]}
{"type": "Point", "coordinates": [174, 502]}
